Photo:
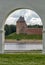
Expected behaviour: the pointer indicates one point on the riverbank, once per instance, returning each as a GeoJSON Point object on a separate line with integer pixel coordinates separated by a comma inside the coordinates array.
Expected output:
{"type": "Point", "coordinates": [22, 41]}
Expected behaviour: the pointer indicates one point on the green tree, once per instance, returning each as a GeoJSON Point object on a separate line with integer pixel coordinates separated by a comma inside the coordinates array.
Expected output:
{"type": "Point", "coordinates": [9, 29]}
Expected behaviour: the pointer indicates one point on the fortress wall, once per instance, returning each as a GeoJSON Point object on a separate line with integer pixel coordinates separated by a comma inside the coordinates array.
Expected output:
{"type": "Point", "coordinates": [34, 31]}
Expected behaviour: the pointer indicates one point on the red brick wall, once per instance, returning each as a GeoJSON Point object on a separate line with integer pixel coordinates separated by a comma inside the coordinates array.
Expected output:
{"type": "Point", "coordinates": [21, 27]}
{"type": "Point", "coordinates": [33, 31]}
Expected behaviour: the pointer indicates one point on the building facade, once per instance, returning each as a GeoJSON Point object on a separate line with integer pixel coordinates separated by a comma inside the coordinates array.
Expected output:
{"type": "Point", "coordinates": [21, 27]}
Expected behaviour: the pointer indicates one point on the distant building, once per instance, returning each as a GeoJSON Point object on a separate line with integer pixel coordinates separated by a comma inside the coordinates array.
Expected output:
{"type": "Point", "coordinates": [21, 27]}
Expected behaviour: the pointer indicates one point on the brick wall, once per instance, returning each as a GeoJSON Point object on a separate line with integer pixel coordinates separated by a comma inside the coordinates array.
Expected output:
{"type": "Point", "coordinates": [21, 27]}
{"type": "Point", "coordinates": [33, 31]}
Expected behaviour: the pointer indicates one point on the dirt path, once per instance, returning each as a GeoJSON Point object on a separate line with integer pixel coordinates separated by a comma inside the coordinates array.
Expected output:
{"type": "Point", "coordinates": [23, 41]}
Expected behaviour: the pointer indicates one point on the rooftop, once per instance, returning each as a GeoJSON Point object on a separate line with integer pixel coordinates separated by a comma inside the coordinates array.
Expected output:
{"type": "Point", "coordinates": [21, 19]}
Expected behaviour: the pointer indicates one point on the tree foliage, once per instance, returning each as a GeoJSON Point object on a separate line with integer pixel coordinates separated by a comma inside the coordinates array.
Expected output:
{"type": "Point", "coordinates": [9, 29]}
{"type": "Point", "coordinates": [35, 26]}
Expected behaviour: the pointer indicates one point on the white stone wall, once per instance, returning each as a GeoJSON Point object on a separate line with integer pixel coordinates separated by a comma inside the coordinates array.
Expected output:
{"type": "Point", "coordinates": [7, 6]}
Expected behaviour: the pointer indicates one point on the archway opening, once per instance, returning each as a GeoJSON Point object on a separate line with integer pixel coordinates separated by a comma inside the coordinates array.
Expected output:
{"type": "Point", "coordinates": [24, 26]}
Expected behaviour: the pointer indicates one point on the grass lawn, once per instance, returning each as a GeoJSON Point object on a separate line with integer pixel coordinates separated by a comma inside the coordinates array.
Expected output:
{"type": "Point", "coordinates": [23, 36]}
{"type": "Point", "coordinates": [22, 59]}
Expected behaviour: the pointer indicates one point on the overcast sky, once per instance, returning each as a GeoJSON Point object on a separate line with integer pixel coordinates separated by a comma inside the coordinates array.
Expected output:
{"type": "Point", "coordinates": [30, 16]}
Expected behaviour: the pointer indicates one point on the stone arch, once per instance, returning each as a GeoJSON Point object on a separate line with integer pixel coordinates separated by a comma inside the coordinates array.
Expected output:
{"type": "Point", "coordinates": [16, 10]}
{"type": "Point", "coordinates": [6, 6]}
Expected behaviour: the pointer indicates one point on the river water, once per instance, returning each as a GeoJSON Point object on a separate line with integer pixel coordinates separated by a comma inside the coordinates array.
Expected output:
{"type": "Point", "coordinates": [23, 46]}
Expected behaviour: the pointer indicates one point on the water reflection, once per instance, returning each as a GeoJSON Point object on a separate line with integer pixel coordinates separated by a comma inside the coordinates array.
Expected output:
{"type": "Point", "coordinates": [23, 46]}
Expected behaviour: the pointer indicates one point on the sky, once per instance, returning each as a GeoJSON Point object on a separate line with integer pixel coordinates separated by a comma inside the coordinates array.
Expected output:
{"type": "Point", "coordinates": [31, 17]}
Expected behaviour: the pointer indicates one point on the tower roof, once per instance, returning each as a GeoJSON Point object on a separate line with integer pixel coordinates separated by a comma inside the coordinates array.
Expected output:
{"type": "Point", "coordinates": [21, 19]}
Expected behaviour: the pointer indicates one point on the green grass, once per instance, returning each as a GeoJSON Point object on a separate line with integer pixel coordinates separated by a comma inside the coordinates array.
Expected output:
{"type": "Point", "coordinates": [23, 36]}
{"type": "Point", "coordinates": [22, 59]}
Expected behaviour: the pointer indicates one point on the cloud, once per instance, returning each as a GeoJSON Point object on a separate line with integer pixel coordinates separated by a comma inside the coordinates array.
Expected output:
{"type": "Point", "coordinates": [30, 17]}
{"type": "Point", "coordinates": [21, 12]}
{"type": "Point", "coordinates": [11, 20]}
{"type": "Point", "coordinates": [35, 21]}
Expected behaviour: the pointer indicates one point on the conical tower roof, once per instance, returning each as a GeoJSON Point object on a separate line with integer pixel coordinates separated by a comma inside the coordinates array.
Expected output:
{"type": "Point", "coordinates": [21, 19]}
